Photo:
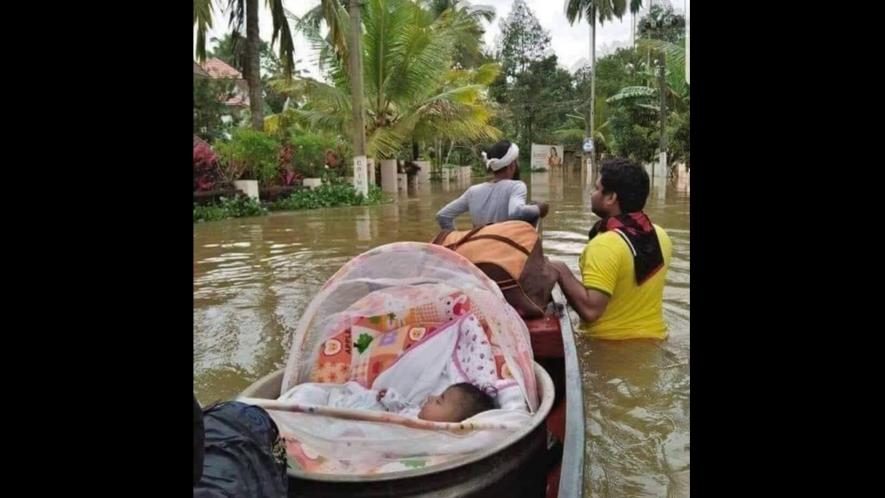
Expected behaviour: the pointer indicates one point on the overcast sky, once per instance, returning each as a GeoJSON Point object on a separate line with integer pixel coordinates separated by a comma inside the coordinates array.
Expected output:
{"type": "Point", "coordinates": [570, 43]}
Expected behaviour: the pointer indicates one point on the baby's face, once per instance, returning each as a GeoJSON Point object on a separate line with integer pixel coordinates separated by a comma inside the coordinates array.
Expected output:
{"type": "Point", "coordinates": [442, 408]}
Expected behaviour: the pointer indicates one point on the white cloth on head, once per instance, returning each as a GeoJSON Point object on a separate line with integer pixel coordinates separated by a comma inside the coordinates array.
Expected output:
{"type": "Point", "coordinates": [495, 164]}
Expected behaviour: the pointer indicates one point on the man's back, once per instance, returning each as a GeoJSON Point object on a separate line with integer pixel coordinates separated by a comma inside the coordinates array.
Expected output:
{"type": "Point", "coordinates": [633, 311]}
{"type": "Point", "coordinates": [490, 202]}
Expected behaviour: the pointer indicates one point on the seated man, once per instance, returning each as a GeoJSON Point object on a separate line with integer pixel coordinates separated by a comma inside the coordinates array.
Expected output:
{"type": "Point", "coordinates": [500, 199]}
{"type": "Point", "coordinates": [624, 265]}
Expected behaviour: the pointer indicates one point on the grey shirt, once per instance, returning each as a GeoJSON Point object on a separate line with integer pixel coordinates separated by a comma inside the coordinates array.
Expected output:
{"type": "Point", "coordinates": [490, 202]}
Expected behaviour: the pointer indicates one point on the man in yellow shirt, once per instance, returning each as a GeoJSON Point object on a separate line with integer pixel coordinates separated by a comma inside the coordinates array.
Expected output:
{"type": "Point", "coordinates": [624, 265]}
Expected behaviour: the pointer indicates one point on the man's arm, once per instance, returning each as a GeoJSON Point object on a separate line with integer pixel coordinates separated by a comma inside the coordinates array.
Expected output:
{"type": "Point", "coordinates": [517, 209]}
{"type": "Point", "coordinates": [589, 303]}
{"type": "Point", "coordinates": [446, 216]}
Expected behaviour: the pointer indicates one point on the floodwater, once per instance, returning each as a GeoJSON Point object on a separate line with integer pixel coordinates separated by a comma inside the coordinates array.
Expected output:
{"type": "Point", "coordinates": [254, 276]}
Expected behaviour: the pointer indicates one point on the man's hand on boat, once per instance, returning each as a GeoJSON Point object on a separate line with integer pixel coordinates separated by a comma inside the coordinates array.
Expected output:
{"type": "Point", "coordinates": [544, 207]}
{"type": "Point", "coordinates": [559, 266]}
{"type": "Point", "coordinates": [590, 304]}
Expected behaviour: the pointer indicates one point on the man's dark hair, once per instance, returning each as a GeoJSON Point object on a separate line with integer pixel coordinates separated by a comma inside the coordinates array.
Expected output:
{"type": "Point", "coordinates": [473, 400]}
{"type": "Point", "coordinates": [627, 179]}
{"type": "Point", "coordinates": [498, 150]}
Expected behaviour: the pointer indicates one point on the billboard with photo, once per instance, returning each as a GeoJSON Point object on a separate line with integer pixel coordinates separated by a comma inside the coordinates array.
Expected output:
{"type": "Point", "coordinates": [546, 156]}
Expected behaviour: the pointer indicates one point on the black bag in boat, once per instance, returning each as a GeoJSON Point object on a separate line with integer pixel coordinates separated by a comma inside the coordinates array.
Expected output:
{"type": "Point", "coordinates": [243, 455]}
{"type": "Point", "coordinates": [199, 433]}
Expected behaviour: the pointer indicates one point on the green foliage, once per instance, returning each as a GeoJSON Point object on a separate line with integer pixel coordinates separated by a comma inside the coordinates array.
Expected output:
{"type": "Point", "coordinates": [232, 49]}
{"type": "Point", "coordinates": [662, 23]}
{"type": "Point", "coordinates": [523, 40]}
{"type": "Point", "coordinates": [310, 153]}
{"type": "Point", "coordinates": [632, 89]}
{"type": "Point", "coordinates": [209, 107]}
{"type": "Point", "coordinates": [606, 10]}
{"type": "Point", "coordinates": [202, 23]}
{"type": "Point", "coordinates": [634, 133]}
{"type": "Point", "coordinates": [281, 32]}
{"type": "Point", "coordinates": [328, 195]}
{"type": "Point", "coordinates": [252, 152]}
{"type": "Point", "coordinates": [411, 90]}
{"type": "Point", "coordinates": [468, 46]}
{"type": "Point", "coordinates": [238, 207]}
{"type": "Point", "coordinates": [539, 99]}
{"type": "Point", "coordinates": [679, 133]}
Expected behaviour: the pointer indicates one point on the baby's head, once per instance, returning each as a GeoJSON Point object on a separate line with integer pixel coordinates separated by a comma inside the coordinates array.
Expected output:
{"type": "Point", "coordinates": [458, 402]}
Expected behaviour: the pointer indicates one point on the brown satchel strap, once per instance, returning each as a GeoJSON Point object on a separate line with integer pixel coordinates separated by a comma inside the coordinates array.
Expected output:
{"type": "Point", "coordinates": [494, 237]}
{"type": "Point", "coordinates": [465, 238]}
{"type": "Point", "coordinates": [438, 240]}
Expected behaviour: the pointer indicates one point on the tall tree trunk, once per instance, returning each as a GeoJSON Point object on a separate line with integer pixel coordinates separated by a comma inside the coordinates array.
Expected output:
{"type": "Point", "coordinates": [253, 65]}
{"type": "Point", "coordinates": [687, 44]}
{"type": "Point", "coordinates": [451, 147]}
{"type": "Point", "coordinates": [355, 56]}
{"type": "Point", "coordinates": [648, 50]}
{"type": "Point", "coordinates": [633, 29]}
{"type": "Point", "coordinates": [662, 89]}
{"type": "Point", "coordinates": [592, 124]}
{"type": "Point", "coordinates": [530, 135]}
{"type": "Point", "coordinates": [439, 152]}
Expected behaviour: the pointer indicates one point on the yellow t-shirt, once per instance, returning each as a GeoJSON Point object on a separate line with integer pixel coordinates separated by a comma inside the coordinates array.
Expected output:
{"type": "Point", "coordinates": [633, 312]}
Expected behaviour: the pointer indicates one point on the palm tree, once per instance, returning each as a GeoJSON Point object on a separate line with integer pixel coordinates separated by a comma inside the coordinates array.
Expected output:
{"type": "Point", "coordinates": [596, 10]}
{"type": "Point", "coordinates": [334, 15]}
{"type": "Point", "coordinates": [410, 92]}
{"type": "Point", "coordinates": [356, 79]}
{"type": "Point", "coordinates": [345, 29]}
{"type": "Point", "coordinates": [477, 12]}
{"type": "Point", "coordinates": [245, 12]}
{"type": "Point", "coordinates": [468, 47]}
{"type": "Point", "coordinates": [464, 119]}
{"type": "Point", "coordinates": [203, 21]}
{"type": "Point", "coordinates": [469, 43]}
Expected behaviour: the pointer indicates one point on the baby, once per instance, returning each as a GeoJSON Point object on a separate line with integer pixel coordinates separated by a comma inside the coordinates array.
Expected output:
{"type": "Point", "coordinates": [457, 403]}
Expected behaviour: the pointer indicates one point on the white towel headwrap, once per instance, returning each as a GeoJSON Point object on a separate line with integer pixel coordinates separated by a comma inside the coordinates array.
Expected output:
{"type": "Point", "coordinates": [495, 164]}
